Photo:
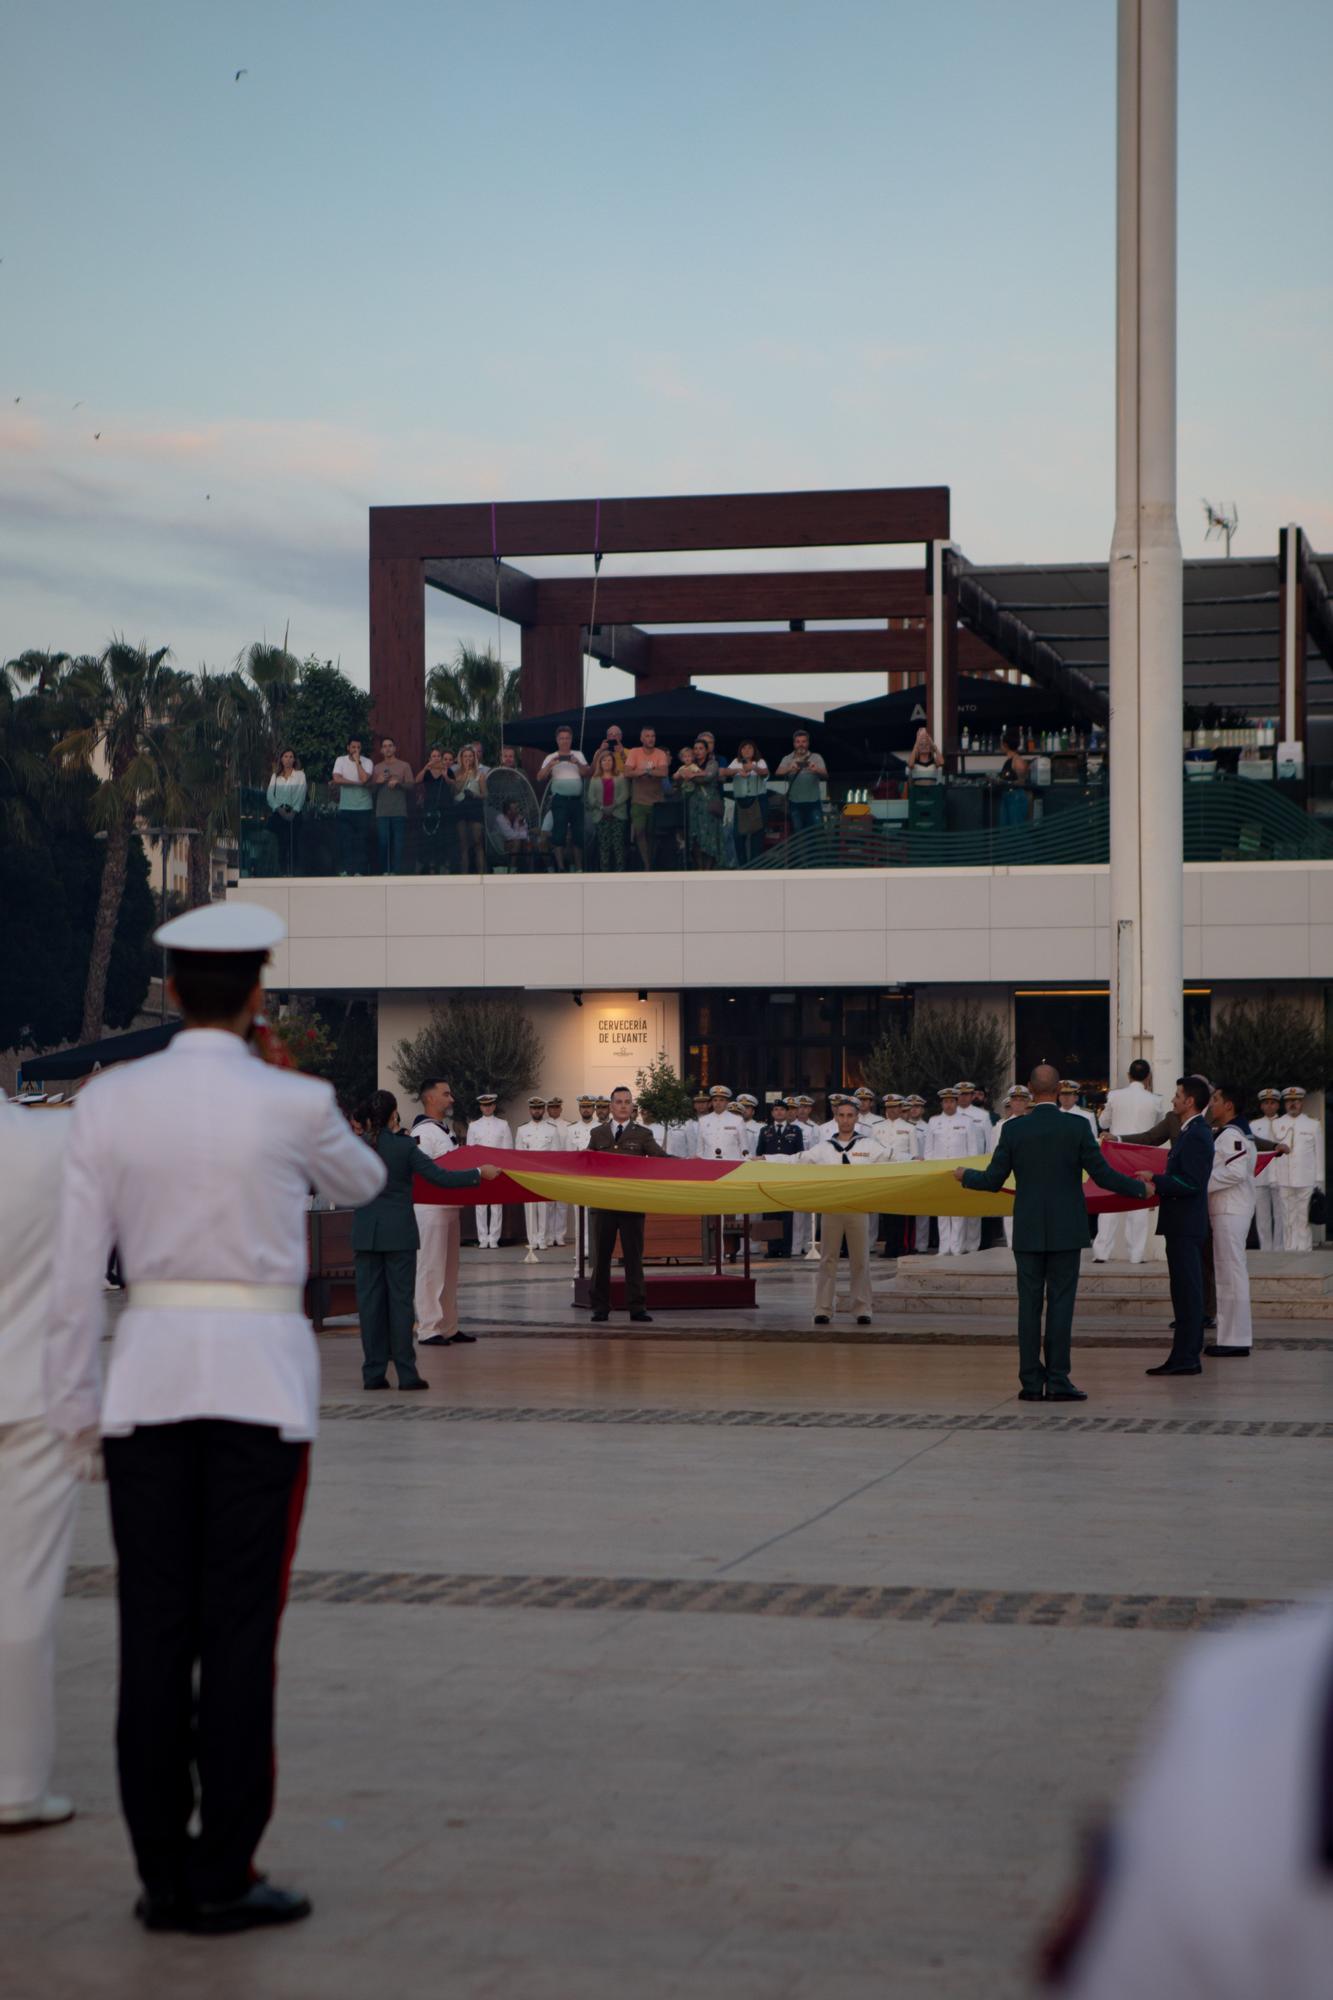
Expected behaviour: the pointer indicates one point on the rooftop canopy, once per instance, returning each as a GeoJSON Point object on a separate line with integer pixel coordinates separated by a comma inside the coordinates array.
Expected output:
{"type": "Point", "coordinates": [677, 715]}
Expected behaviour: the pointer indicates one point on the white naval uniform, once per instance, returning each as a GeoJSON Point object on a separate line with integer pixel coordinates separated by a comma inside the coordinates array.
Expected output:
{"type": "Point", "coordinates": [952, 1135]}
{"type": "Point", "coordinates": [1125, 1233]}
{"type": "Point", "coordinates": [577, 1136]}
{"type": "Point", "coordinates": [658, 1132]}
{"type": "Point", "coordinates": [437, 1251]}
{"type": "Point", "coordinates": [196, 1164]}
{"type": "Point", "coordinates": [538, 1135]}
{"type": "Point", "coordinates": [985, 1126]}
{"type": "Point", "coordinates": [557, 1229]}
{"type": "Point", "coordinates": [750, 1130]}
{"type": "Point", "coordinates": [1217, 1890]}
{"type": "Point", "coordinates": [682, 1140]}
{"type": "Point", "coordinates": [37, 1482]}
{"type": "Point", "coordinates": [1266, 1213]}
{"type": "Point", "coordinates": [854, 1229]}
{"type": "Point", "coordinates": [489, 1131]}
{"type": "Point", "coordinates": [1080, 1111]}
{"type": "Point", "coordinates": [802, 1221]}
{"type": "Point", "coordinates": [921, 1241]}
{"type": "Point", "coordinates": [1231, 1191]}
{"type": "Point", "coordinates": [1298, 1173]}
{"type": "Point", "coordinates": [720, 1136]}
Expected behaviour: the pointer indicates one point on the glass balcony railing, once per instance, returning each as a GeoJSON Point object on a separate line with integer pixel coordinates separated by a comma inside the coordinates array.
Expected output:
{"type": "Point", "coordinates": [864, 820]}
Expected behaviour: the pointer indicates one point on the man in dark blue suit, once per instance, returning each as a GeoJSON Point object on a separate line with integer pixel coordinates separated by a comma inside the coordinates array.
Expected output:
{"type": "Point", "coordinates": [1182, 1218]}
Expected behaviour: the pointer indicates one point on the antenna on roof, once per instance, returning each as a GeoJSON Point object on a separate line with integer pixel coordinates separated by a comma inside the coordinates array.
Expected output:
{"type": "Point", "coordinates": [1221, 521]}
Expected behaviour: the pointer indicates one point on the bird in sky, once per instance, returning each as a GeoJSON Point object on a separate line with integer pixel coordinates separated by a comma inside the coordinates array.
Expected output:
{"type": "Point", "coordinates": [239, 74]}
{"type": "Point", "coordinates": [96, 435]}
{"type": "Point", "coordinates": [18, 399]}
{"type": "Point", "coordinates": [79, 404]}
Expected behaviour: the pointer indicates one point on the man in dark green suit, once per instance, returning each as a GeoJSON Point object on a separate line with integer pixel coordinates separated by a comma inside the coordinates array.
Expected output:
{"type": "Point", "coordinates": [1048, 1153]}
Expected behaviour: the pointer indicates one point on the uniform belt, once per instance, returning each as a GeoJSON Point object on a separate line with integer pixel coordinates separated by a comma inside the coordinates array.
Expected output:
{"type": "Point", "coordinates": [217, 1295]}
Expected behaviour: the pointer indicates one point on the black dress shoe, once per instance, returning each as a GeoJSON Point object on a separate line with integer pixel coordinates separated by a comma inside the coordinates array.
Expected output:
{"type": "Point", "coordinates": [463, 1340]}
{"type": "Point", "coordinates": [642, 1319]}
{"type": "Point", "coordinates": [261, 1905]}
{"type": "Point", "coordinates": [1226, 1353]}
{"type": "Point", "coordinates": [821, 1319]}
{"type": "Point", "coordinates": [1068, 1394]}
{"type": "Point", "coordinates": [374, 1385]}
{"type": "Point", "coordinates": [1032, 1395]}
{"type": "Point", "coordinates": [1176, 1368]}
{"type": "Point", "coordinates": [434, 1340]}
{"type": "Point", "coordinates": [599, 1318]}
{"type": "Point", "coordinates": [1209, 1325]}
{"type": "Point", "coordinates": [162, 1913]}
{"type": "Point", "coordinates": [419, 1383]}
{"type": "Point", "coordinates": [863, 1319]}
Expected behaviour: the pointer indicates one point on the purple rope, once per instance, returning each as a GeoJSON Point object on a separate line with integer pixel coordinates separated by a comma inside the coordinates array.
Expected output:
{"type": "Point", "coordinates": [495, 546]}
{"type": "Point", "coordinates": [597, 530]}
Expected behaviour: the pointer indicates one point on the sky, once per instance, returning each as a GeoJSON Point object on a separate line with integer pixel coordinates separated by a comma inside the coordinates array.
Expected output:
{"type": "Point", "coordinates": [427, 251]}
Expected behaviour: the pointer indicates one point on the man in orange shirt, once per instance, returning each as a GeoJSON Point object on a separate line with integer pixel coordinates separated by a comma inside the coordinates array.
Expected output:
{"type": "Point", "coordinates": [645, 767]}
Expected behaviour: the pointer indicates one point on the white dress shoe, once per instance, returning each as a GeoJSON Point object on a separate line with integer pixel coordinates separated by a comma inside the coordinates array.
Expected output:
{"type": "Point", "coordinates": [50, 1811]}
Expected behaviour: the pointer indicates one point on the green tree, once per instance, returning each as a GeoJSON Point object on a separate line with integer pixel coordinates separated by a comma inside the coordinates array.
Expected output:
{"type": "Point", "coordinates": [472, 699]}
{"type": "Point", "coordinates": [942, 1045]}
{"type": "Point", "coordinates": [475, 1045]}
{"type": "Point", "coordinates": [276, 675]}
{"type": "Point", "coordinates": [328, 709]}
{"type": "Point", "coordinates": [118, 711]}
{"type": "Point", "coordinates": [667, 1100]}
{"type": "Point", "coordinates": [1255, 1042]}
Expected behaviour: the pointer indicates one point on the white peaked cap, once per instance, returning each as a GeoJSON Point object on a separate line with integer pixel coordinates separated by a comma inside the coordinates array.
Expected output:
{"type": "Point", "coordinates": [223, 927]}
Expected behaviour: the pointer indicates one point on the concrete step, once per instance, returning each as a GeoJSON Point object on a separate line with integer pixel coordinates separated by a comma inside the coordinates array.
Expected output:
{"type": "Point", "coordinates": [1001, 1304]}
{"type": "Point", "coordinates": [1115, 1292]}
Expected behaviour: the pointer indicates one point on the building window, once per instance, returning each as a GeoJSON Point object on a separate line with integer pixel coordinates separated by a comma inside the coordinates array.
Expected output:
{"type": "Point", "coordinates": [801, 1039]}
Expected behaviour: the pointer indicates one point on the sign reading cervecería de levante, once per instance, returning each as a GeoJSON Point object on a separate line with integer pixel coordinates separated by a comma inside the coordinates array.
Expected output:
{"type": "Point", "coordinates": [623, 1032]}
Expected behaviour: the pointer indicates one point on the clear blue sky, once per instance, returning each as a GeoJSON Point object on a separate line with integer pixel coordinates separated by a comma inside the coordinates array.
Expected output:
{"type": "Point", "coordinates": [431, 251]}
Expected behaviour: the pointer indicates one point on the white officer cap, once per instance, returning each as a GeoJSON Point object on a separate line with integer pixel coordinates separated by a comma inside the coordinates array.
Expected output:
{"type": "Point", "coordinates": [864, 1090]}
{"type": "Point", "coordinates": [1021, 1090]}
{"type": "Point", "coordinates": [891, 1097]}
{"type": "Point", "coordinates": [557, 1099]}
{"type": "Point", "coordinates": [537, 1100]}
{"type": "Point", "coordinates": [719, 1090]}
{"type": "Point", "coordinates": [803, 1099]}
{"type": "Point", "coordinates": [487, 1097]}
{"type": "Point", "coordinates": [585, 1097]}
{"type": "Point", "coordinates": [745, 1098]}
{"type": "Point", "coordinates": [965, 1085]}
{"type": "Point", "coordinates": [223, 927]}
{"type": "Point", "coordinates": [1067, 1083]}
{"type": "Point", "coordinates": [1293, 1090]}
{"type": "Point", "coordinates": [950, 1090]}
{"type": "Point", "coordinates": [1268, 1091]}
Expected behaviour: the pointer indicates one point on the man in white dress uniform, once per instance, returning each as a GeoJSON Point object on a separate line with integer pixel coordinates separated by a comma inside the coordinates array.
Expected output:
{"type": "Point", "coordinates": [952, 1135]}
{"type": "Point", "coordinates": [538, 1135]}
{"type": "Point", "coordinates": [197, 1165]}
{"type": "Point", "coordinates": [1300, 1170]}
{"type": "Point", "coordinates": [1132, 1109]}
{"type": "Point", "coordinates": [37, 1470]}
{"type": "Point", "coordinates": [803, 1222]}
{"type": "Point", "coordinates": [847, 1147]}
{"type": "Point", "coordinates": [1231, 1190]}
{"type": "Point", "coordinates": [1266, 1217]}
{"type": "Point", "coordinates": [1069, 1091]}
{"type": "Point", "coordinates": [488, 1130]}
{"type": "Point", "coordinates": [985, 1133]}
{"type": "Point", "coordinates": [557, 1228]}
{"type": "Point", "coordinates": [437, 1228]}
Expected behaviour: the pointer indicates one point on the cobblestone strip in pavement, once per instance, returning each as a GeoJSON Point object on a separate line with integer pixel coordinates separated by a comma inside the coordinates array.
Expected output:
{"type": "Point", "coordinates": [900, 1604]}
{"type": "Point", "coordinates": [822, 1420]}
{"type": "Point", "coordinates": [853, 1336]}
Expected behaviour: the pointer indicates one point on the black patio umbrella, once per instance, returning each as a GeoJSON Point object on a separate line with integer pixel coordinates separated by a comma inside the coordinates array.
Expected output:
{"type": "Point", "coordinates": [677, 716]}
{"type": "Point", "coordinates": [71, 1063]}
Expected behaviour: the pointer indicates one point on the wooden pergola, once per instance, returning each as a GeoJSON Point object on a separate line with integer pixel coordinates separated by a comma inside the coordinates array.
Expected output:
{"type": "Point", "coordinates": [474, 552]}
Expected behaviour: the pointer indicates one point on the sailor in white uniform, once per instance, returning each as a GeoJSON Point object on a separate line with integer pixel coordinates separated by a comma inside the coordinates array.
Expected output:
{"type": "Point", "coordinates": [437, 1228]}
{"type": "Point", "coordinates": [578, 1134]}
{"type": "Point", "coordinates": [1231, 1190]}
{"type": "Point", "coordinates": [985, 1129]}
{"type": "Point", "coordinates": [538, 1135]}
{"type": "Point", "coordinates": [1136, 1108]}
{"type": "Point", "coordinates": [914, 1110]}
{"type": "Point", "coordinates": [38, 1473]}
{"type": "Point", "coordinates": [904, 1142]}
{"type": "Point", "coordinates": [488, 1130]}
{"type": "Point", "coordinates": [1266, 1216]}
{"type": "Point", "coordinates": [557, 1229]}
{"type": "Point", "coordinates": [1018, 1105]}
{"type": "Point", "coordinates": [197, 1165]}
{"type": "Point", "coordinates": [1299, 1170]}
{"type": "Point", "coordinates": [846, 1148]}
{"type": "Point", "coordinates": [1219, 1884]}
{"type": "Point", "coordinates": [682, 1141]}
{"type": "Point", "coordinates": [1069, 1094]}
{"type": "Point", "coordinates": [721, 1130]}
{"type": "Point", "coordinates": [747, 1105]}
{"type": "Point", "coordinates": [952, 1135]}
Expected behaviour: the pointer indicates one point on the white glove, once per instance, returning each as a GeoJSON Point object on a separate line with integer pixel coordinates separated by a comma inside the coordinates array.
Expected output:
{"type": "Point", "coordinates": [83, 1457]}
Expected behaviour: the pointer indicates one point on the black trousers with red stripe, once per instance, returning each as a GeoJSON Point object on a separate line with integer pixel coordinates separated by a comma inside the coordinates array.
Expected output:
{"type": "Point", "coordinates": [205, 1516]}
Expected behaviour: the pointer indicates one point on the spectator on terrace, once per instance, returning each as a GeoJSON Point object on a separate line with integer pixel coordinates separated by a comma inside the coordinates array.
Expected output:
{"type": "Point", "coordinates": [749, 788]}
{"type": "Point", "coordinates": [508, 757]}
{"type": "Point", "coordinates": [469, 781]}
{"type": "Point", "coordinates": [567, 772]}
{"type": "Point", "coordinates": [699, 781]}
{"type": "Point", "coordinates": [351, 781]}
{"type": "Point", "coordinates": [805, 770]}
{"type": "Point", "coordinates": [1014, 777]}
{"type": "Point", "coordinates": [437, 813]}
{"type": "Point", "coordinates": [513, 830]}
{"type": "Point", "coordinates": [614, 742]}
{"type": "Point", "coordinates": [645, 767]}
{"type": "Point", "coordinates": [391, 778]}
{"type": "Point", "coordinates": [286, 802]}
{"type": "Point", "coordinates": [608, 811]}
{"type": "Point", "coordinates": [925, 755]}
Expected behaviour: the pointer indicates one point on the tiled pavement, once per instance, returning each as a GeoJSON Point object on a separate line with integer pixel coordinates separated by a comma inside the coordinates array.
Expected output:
{"type": "Point", "coordinates": [704, 1668]}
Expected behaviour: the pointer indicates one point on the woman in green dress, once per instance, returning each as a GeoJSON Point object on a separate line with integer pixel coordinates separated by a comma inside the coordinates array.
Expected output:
{"type": "Point", "coordinates": [701, 784]}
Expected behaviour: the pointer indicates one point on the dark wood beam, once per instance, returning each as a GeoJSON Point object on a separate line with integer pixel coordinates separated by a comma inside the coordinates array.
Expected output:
{"type": "Point", "coordinates": [746, 597]}
{"type": "Point", "coordinates": [398, 654]}
{"type": "Point", "coordinates": [516, 528]}
{"type": "Point", "coordinates": [472, 578]}
{"type": "Point", "coordinates": [551, 669]}
{"type": "Point", "coordinates": [686, 656]}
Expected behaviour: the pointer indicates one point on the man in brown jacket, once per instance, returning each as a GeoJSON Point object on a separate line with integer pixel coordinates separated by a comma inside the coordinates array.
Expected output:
{"type": "Point", "coordinates": [620, 1134]}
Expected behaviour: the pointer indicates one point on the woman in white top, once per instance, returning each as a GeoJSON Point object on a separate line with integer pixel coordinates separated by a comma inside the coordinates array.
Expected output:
{"type": "Point", "coordinates": [749, 788]}
{"type": "Point", "coordinates": [286, 803]}
{"type": "Point", "coordinates": [469, 781]}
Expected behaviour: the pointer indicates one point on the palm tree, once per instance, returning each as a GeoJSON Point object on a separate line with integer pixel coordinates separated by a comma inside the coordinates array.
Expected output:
{"type": "Point", "coordinates": [474, 697]}
{"type": "Point", "coordinates": [118, 711]}
{"type": "Point", "coordinates": [221, 742]}
{"type": "Point", "coordinates": [276, 674]}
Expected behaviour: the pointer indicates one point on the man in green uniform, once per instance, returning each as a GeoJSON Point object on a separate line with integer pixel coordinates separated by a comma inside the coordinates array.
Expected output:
{"type": "Point", "coordinates": [1048, 1154]}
